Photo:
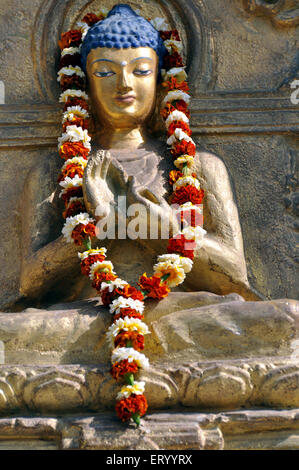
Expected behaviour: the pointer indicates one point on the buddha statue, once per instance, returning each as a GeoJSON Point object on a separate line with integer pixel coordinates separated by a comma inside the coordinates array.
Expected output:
{"type": "Point", "coordinates": [126, 160]}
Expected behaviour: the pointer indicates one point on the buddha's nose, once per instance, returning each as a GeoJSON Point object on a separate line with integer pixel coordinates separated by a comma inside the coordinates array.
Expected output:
{"type": "Point", "coordinates": [124, 84]}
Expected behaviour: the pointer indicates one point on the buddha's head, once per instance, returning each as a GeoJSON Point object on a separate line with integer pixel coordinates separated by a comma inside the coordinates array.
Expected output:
{"type": "Point", "coordinates": [122, 57]}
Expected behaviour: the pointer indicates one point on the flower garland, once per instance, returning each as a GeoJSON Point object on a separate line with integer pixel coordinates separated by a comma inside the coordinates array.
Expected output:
{"type": "Point", "coordinates": [125, 302]}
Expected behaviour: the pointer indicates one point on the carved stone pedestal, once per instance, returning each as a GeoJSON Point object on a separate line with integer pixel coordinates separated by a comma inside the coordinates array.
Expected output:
{"type": "Point", "coordinates": [226, 371]}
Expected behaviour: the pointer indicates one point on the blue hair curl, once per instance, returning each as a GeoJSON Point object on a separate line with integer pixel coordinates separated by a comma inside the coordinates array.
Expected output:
{"type": "Point", "coordinates": [122, 28]}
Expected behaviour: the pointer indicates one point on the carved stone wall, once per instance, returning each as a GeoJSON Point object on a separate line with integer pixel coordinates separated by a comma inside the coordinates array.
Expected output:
{"type": "Point", "coordinates": [242, 57]}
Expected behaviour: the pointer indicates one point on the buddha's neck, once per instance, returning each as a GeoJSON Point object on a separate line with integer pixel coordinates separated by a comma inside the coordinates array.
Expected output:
{"type": "Point", "coordinates": [122, 138]}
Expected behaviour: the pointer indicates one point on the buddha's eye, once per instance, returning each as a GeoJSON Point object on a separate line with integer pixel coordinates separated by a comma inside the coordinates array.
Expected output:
{"type": "Point", "coordinates": [104, 74]}
{"type": "Point", "coordinates": [142, 72]}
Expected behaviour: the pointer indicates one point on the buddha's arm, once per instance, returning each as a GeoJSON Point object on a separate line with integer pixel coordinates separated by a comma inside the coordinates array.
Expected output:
{"type": "Point", "coordinates": [44, 262]}
{"type": "Point", "coordinates": [219, 265]}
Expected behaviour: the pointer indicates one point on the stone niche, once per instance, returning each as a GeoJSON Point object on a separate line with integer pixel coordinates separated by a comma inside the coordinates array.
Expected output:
{"type": "Point", "coordinates": [232, 379]}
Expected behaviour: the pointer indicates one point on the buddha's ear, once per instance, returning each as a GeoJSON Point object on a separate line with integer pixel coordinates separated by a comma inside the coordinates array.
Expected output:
{"type": "Point", "coordinates": [156, 124]}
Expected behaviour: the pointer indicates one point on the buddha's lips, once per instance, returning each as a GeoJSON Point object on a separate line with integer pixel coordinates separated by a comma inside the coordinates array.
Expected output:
{"type": "Point", "coordinates": [125, 98]}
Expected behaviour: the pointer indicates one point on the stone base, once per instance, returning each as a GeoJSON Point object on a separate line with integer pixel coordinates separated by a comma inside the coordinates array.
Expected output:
{"type": "Point", "coordinates": [258, 429]}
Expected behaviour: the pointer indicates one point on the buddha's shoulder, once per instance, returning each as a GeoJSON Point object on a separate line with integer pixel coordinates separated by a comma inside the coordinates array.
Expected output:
{"type": "Point", "coordinates": [207, 163]}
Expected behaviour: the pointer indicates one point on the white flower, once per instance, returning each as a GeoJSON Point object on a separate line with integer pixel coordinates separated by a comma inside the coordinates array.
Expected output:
{"type": "Point", "coordinates": [194, 233]}
{"type": "Point", "coordinates": [104, 266]}
{"type": "Point", "coordinates": [120, 354]}
{"type": "Point", "coordinates": [180, 161]}
{"type": "Point", "coordinates": [178, 135]}
{"type": "Point", "coordinates": [72, 222]}
{"type": "Point", "coordinates": [173, 44]}
{"type": "Point", "coordinates": [70, 51]}
{"type": "Point", "coordinates": [77, 160]}
{"type": "Point", "coordinates": [184, 262]}
{"type": "Point", "coordinates": [72, 93]}
{"type": "Point", "coordinates": [177, 72]}
{"type": "Point", "coordinates": [75, 134]}
{"type": "Point", "coordinates": [160, 24]}
{"type": "Point", "coordinates": [94, 251]}
{"type": "Point", "coordinates": [70, 183]}
{"type": "Point", "coordinates": [116, 284]}
{"type": "Point", "coordinates": [74, 111]}
{"type": "Point", "coordinates": [185, 181]}
{"type": "Point", "coordinates": [70, 70]}
{"type": "Point", "coordinates": [175, 271]}
{"type": "Point", "coordinates": [127, 390]}
{"type": "Point", "coordinates": [176, 116]}
{"type": "Point", "coordinates": [122, 302]}
{"type": "Point", "coordinates": [83, 27]}
{"type": "Point", "coordinates": [174, 95]}
{"type": "Point", "coordinates": [126, 324]}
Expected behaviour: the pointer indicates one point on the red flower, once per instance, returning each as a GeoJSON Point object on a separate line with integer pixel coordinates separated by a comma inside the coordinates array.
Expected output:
{"type": "Point", "coordinates": [81, 232]}
{"type": "Point", "coordinates": [91, 18]}
{"type": "Point", "coordinates": [134, 404]}
{"type": "Point", "coordinates": [73, 82]}
{"type": "Point", "coordinates": [173, 84]}
{"type": "Point", "coordinates": [71, 170]}
{"type": "Point", "coordinates": [171, 34]}
{"type": "Point", "coordinates": [181, 245]}
{"type": "Point", "coordinates": [178, 125]}
{"type": "Point", "coordinates": [70, 59]}
{"type": "Point", "coordinates": [123, 367]}
{"type": "Point", "coordinates": [76, 191]}
{"type": "Point", "coordinates": [183, 148]}
{"type": "Point", "coordinates": [172, 60]}
{"type": "Point", "coordinates": [74, 208]}
{"type": "Point", "coordinates": [76, 121]}
{"type": "Point", "coordinates": [187, 194]}
{"type": "Point", "coordinates": [128, 312]}
{"type": "Point", "coordinates": [75, 101]}
{"type": "Point", "coordinates": [73, 149]}
{"type": "Point", "coordinates": [130, 292]}
{"type": "Point", "coordinates": [190, 217]}
{"type": "Point", "coordinates": [179, 105]}
{"type": "Point", "coordinates": [70, 39]}
{"type": "Point", "coordinates": [154, 287]}
{"type": "Point", "coordinates": [101, 277]}
{"type": "Point", "coordinates": [88, 261]}
{"type": "Point", "coordinates": [134, 337]}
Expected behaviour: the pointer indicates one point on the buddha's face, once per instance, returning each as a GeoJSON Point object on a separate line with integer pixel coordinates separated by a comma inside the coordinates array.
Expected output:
{"type": "Point", "coordinates": [122, 85]}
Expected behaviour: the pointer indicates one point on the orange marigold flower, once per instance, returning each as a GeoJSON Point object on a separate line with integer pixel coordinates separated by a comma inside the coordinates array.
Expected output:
{"type": "Point", "coordinates": [102, 277]}
{"type": "Point", "coordinates": [70, 39]}
{"type": "Point", "coordinates": [136, 339]}
{"type": "Point", "coordinates": [183, 148]}
{"type": "Point", "coordinates": [134, 404]}
{"type": "Point", "coordinates": [88, 261]}
{"type": "Point", "coordinates": [91, 18]}
{"type": "Point", "coordinates": [155, 289]}
{"type": "Point", "coordinates": [178, 124]}
{"type": "Point", "coordinates": [182, 246]}
{"type": "Point", "coordinates": [128, 312]}
{"type": "Point", "coordinates": [71, 170]}
{"type": "Point", "coordinates": [107, 296]}
{"type": "Point", "coordinates": [74, 208]}
{"type": "Point", "coordinates": [76, 191]}
{"type": "Point", "coordinates": [70, 59]}
{"type": "Point", "coordinates": [123, 367]}
{"type": "Point", "coordinates": [174, 175]}
{"type": "Point", "coordinates": [72, 82]}
{"type": "Point", "coordinates": [171, 34]}
{"type": "Point", "coordinates": [130, 291]}
{"type": "Point", "coordinates": [187, 194]}
{"type": "Point", "coordinates": [179, 105]}
{"type": "Point", "coordinates": [76, 121]}
{"type": "Point", "coordinates": [83, 231]}
{"type": "Point", "coordinates": [173, 84]}
{"type": "Point", "coordinates": [172, 60]}
{"type": "Point", "coordinates": [73, 149]}
{"type": "Point", "coordinates": [75, 101]}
